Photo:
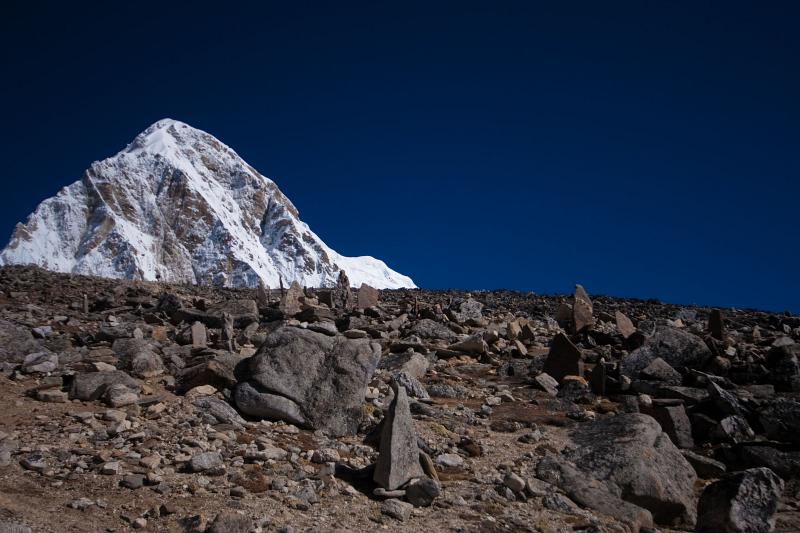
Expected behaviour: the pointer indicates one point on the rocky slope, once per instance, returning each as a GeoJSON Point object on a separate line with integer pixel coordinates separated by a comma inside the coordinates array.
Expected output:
{"type": "Point", "coordinates": [178, 205]}
{"type": "Point", "coordinates": [171, 407]}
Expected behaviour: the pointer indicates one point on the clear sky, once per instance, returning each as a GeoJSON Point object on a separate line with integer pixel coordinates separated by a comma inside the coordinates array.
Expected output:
{"type": "Point", "coordinates": [642, 148]}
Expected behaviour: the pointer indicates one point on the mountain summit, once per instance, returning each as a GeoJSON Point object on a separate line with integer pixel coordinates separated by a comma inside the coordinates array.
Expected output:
{"type": "Point", "coordinates": [178, 205]}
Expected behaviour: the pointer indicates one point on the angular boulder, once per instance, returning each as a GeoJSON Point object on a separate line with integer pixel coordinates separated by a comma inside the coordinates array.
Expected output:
{"type": "Point", "coordinates": [592, 493]}
{"type": "Point", "coordinates": [430, 329]}
{"type": "Point", "coordinates": [740, 502]}
{"type": "Point", "coordinates": [464, 310]}
{"type": "Point", "coordinates": [16, 342]}
{"type": "Point", "coordinates": [290, 301]}
{"type": "Point", "coordinates": [322, 378]}
{"type": "Point", "coordinates": [93, 385]}
{"type": "Point", "coordinates": [41, 362]}
{"type": "Point", "coordinates": [254, 401]}
{"type": "Point", "coordinates": [138, 357]}
{"type": "Point", "coordinates": [783, 362]}
{"type": "Point", "coordinates": [212, 367]}
{"type": "Point", "coordinates": [675, 423]}
{"type": "Point", "coordinates": [676, 347]}
{"type": "Point", "coordinates": [474, 344]}
{"type": "Point", "coordinates": [217, 411]}
{"type": "Point", "coordinates": [582, 317]}
{"type": "Point", "coordinates": [780, 419]}
{"type": "Point", "coordinates": [659, 370]}
{"type": "Point", "coordinates": [341, 295]}
{"type": "Point", "coordinates": [624, 324]}
{"type": "Point", "coordinates": [398, 459]}
{"type": "Point", "coordinates": [638, 463]}
{"type": "Point", "coordinates": [413, 363]}
{"type": "Point", "coordinates": [564, 358]}
{"type": "Point", "coordinates": [367, 296]}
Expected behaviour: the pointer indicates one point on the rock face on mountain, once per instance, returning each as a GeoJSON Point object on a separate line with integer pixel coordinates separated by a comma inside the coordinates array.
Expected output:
{"type": "Point", "coordinates": [180, 206]}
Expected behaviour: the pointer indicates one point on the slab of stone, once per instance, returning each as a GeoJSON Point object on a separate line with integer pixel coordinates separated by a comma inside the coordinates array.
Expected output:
{"type": "Point", "coordinates": [398, 458]}
{"type": "Point", "coordinates": [199, 335]}
{"type": "Point", "coordinates": [564, 358]}
{"type": "Point", "coordinates": [624, 324]}
{"type": "Point", "coordinates": [367, 296]}
{"type": "Point", "coordinates": [582, 309]}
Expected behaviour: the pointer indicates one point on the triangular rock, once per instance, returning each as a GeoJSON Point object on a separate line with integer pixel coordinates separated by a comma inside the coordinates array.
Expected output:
{"type": "Point", "coordinates": [290, 302]}
{"type": "Point", "coordinates": [341, 295]}
{"type": "Point", "coordinates": [564, 358]}
{"type": "Point", "coordinates": [624, 324]}
{"type": "Point", "coordinates": [582, 310]}
{"type": "Point", "coordinates": [398, 462]}
{"type": "Point", "coordinates": [367, 296]}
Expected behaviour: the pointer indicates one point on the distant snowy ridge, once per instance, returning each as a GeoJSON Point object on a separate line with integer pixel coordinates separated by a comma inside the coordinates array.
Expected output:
{"type": "Point", "coordinates": [178, 205]}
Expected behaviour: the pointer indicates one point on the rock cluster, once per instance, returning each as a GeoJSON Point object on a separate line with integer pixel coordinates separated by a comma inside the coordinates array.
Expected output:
{"type": "Point", "coordinates": [171, 407]}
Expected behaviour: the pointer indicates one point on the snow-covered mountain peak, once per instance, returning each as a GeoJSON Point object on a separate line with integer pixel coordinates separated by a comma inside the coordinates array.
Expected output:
{"type": "Point", "coordinates": [177, 204]}
{"type": "Point", "coordinates": [162, 138]}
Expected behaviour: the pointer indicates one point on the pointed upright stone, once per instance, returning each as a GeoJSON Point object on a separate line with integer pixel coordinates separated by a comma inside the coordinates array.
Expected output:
{"type": "Point", "coordinates": [199, 337]}
{"type": "Point", "coordinates": [367, 296]}
{"type": "Point", "coordinates": [262, 294]}
{"type": "Point", "coordinates": [398, 461]}
{"type": "Point", "coordinates": [564, 359]}
{"type": "Point", "coordinates": [582, 310]}
{"type": "Point", "coordinates": [341, 295]}
{"type": "Point", "coordinates": [716, 324]}
{"type": "Point", "coordinates": [227, 335]}
{"type": "Point", "coordinates": [624, 324]}
{"type": "Point", "coordinates": [290, 301]}
{"type": "Point", "coordinates": [598, 378]}
{"type": "Point", "coordinates": [563, 315]}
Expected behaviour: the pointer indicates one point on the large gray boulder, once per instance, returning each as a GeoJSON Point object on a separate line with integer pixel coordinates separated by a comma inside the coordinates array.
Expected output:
{"type": "Point", "coordinates": [742, 502]}
{"type": "Point", "coordinates": [138, 357]}
{"type": "Point", "coordinates": [432, 330]}
{"type": "Point", "coordinates": [783, 362]}
{"type": "Point", "coordinates": [93, 385]}
{"type": "Point", "coordinates": [638, 463]}
{"type": "Point", "coordinates": [675, 423]}
{"type": "Point", "coordinates": [217, 411]}
{"type": "Point", "coordinates": [676, 347]}
{"type": "Point", "coordinates": [367, 296]}
{"type": "Point", "coordinates": [40, 362]}
{"type": "Point", "coordinates": [16, 342]}
{"type": "Point", "coordinates": [592, 493]}
{"type": "Point", "coordinates": [212, 367]}
{"type": "Point", "coordinates": [321, 378]}
{"type": "Point", "coordinates": [464, 310]}
{"type": "Point", "coordinates": [781, 419]}
{"type": "Point", "coordinates": [254, 401]}
{"type": "Point", "coordinates": [290, 301]}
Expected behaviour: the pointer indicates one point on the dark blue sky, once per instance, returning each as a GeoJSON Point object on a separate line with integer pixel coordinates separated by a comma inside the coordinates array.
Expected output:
{"type": "Point", "coordinates": [645, 149]}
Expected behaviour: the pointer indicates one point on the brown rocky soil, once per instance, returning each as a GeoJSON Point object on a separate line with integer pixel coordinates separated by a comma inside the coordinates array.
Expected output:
{"type": "Point", "coordinates": [154, 456]}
